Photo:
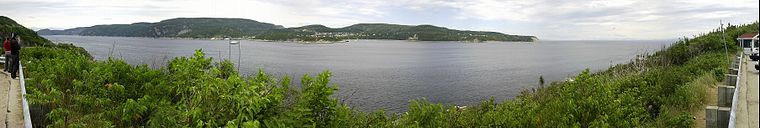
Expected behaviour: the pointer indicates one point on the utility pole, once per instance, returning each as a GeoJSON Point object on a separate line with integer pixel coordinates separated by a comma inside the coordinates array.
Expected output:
{"type": "Point", "coordinates": [725, 45]}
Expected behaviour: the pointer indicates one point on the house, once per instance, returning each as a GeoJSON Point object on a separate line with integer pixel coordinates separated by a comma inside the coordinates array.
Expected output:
{"type": "Point", "coordinates": [748, 42]}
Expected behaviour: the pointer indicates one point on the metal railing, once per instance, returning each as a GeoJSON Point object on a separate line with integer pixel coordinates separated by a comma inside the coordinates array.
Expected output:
{"type": "Point", "coordinates": [24, 103]}
{"type": "Point", "coordinates": [735, 99]}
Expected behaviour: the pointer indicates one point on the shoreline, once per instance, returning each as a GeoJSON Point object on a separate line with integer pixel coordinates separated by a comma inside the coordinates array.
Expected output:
{"type": "Point", "coordinates": [306, 42]}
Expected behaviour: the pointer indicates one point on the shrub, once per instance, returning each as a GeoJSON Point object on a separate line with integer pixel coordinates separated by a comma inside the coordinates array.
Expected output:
{"type": "Point", "coordinates": [195, 91]}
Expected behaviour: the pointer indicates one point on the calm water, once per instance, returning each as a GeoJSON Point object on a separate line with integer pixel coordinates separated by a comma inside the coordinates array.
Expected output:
{"type": "Point", "coordinates": [374, 74]}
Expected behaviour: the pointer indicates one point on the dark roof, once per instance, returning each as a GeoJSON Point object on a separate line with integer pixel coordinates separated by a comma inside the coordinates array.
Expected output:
{"type": "Point", "coordinates": [748, 35]}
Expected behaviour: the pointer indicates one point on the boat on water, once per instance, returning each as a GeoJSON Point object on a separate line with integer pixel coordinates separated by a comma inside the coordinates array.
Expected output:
{"type": "Point", "coordinates": [413, 38]}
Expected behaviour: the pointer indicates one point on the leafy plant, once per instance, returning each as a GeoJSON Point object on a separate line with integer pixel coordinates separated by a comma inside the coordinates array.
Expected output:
{"type": "Point", "coordinates": [196, 91]}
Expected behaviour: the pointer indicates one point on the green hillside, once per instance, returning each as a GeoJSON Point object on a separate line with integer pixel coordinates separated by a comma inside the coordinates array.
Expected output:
{"type": "Point", "coordinates": [315, 28]}
{"type": "Point", "coordinates": [388, 31]}
{"type": "Point", "coordinates": [73, 31]}
{"type": "Point", "coordinates": [211, 27]}
{"type": "Point", "coordinates": [245, 28]}
{"type": "Point", "coordinates": [178, 27]}
{"type": "Point", "coordinates": [29, 37]}
{"type": "Point", "coordinates": [129, 30]}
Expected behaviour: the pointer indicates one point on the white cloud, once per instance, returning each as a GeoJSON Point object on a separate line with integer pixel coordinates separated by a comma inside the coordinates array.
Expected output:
{"type": "Point", "coordinates": [612, 19]}
{"type": "Point", "coordinates": [548, 19]}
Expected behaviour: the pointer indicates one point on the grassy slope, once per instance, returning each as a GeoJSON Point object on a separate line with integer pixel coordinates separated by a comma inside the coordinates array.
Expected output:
{"type": "Point", "coordinates": [29, 37]}
{"type": "Point", "coordinates": [672, 82]}
{"type": "Point", "coordinates": [673, 79]}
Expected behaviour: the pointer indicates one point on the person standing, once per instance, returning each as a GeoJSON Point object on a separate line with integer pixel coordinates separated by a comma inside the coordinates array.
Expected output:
{"type": "Point", "coordinates": [15, 47]}
{"type": "Point", "coordinates": [7, 49]}
{"type": "Point", "coordinates": [5, 65]}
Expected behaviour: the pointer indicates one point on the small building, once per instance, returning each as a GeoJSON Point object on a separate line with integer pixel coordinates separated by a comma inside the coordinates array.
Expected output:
{"type": "Point", "coordinates": [748, 42]}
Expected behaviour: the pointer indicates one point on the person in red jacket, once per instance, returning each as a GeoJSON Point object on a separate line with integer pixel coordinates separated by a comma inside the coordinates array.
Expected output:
{"type": "Point", "coordinates": [15, 49]}
{"type": "Point", "coordinates": [7, 48]}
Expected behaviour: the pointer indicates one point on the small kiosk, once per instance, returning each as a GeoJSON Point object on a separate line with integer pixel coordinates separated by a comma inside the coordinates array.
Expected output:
{"type": "Point", "coordinates": [748, 42]}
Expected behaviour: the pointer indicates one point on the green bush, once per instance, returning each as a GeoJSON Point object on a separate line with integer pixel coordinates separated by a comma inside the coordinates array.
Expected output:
{"type": "Point", "coordinates": [191, 91]}
{"type": "Point", "coordinates": [195, 91]}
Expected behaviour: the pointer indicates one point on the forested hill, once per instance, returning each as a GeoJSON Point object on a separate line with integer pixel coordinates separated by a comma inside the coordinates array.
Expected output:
{"type": "Point", "coordinates": [29, 37]}
{"type": "Point", "coordinates": [72, 31]}
{"type": "Point", "coordinates": [389, 31]}
{"type": "Point", "coordinates": [177, 27]}
{"type": "Point", "coordinates": [245, 28]}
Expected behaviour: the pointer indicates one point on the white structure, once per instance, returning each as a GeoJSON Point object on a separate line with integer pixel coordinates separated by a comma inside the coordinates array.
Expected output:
{"type": "Point", "coordinates": [233, 41]}
{"type": "Point", "coordinates": [748, 42]}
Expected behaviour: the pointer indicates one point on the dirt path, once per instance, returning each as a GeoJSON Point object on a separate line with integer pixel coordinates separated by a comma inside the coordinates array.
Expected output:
{"type": "Point", "coordinates": [10, 103]}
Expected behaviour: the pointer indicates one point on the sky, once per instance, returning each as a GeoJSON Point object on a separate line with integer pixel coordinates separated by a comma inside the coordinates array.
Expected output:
{"type": "Point", "coordinates": [546, 19]}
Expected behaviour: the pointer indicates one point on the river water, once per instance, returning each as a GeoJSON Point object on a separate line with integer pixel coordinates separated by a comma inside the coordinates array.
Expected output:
{"type": "Point", "coordinates": [386, 74]}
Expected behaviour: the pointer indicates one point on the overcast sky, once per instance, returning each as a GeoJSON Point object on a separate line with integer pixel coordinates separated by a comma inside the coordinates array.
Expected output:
{"type": "Point", "coordinates": [547, 19]}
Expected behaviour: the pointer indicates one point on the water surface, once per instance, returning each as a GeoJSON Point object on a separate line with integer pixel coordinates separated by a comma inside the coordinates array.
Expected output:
{"type": "Point", "coordinates": [375, 74]}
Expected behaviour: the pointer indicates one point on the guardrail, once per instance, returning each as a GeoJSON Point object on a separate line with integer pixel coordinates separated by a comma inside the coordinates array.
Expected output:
{"type": "Point", "coordinates": [735, 99]}
{"type": "Point", "coordinates": [724, 114]}
{"type": "Point", "coordinates": [24, 103]}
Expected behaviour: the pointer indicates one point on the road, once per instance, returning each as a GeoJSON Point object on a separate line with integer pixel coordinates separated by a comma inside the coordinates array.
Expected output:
{"type": "Point", "coordinates": [747, 106]}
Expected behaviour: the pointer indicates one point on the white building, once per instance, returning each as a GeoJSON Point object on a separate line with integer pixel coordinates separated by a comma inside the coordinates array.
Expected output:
{"type": "Point", "coordinates": [748, 42]}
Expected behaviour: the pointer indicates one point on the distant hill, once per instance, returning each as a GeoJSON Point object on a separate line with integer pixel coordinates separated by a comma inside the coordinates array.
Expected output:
{"type": "Point", "coordinates": [129, 30]}
{"type": "Point", "coordinates": [28, 37]}
{"type": "Point", "coordinates": [388, 31]}
{"type": "Point", "coordinates": [245, 28]}
{"type": "Point", "coordinates": [211, 27]}
{"type": "Point", "coordinates": [178, 27]}
{"type": "Point", "coordinates": [73, 31]}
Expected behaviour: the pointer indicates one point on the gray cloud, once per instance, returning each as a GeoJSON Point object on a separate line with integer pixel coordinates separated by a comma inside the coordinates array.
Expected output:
{"type": "Point", "coordinates": [548, 19]}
